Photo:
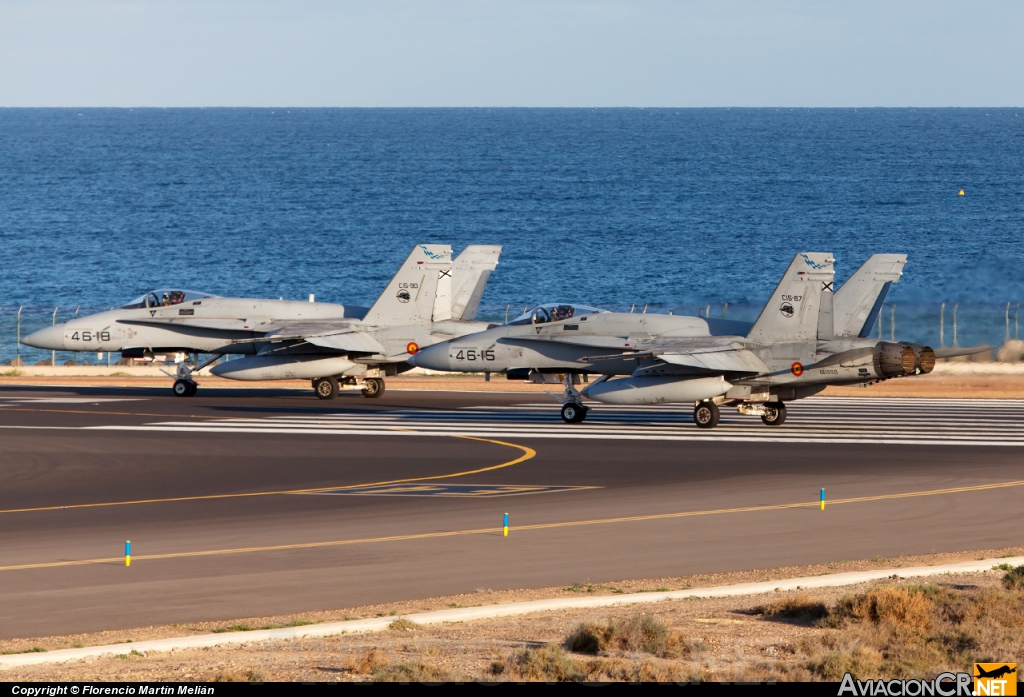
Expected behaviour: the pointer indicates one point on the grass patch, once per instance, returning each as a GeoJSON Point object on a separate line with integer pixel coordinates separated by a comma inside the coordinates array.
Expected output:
{"type": "Point", "coordinates": [403, 625]}
{"type": "Point", "coordinates": [34, 649]}
{"type": "Point", "coordinates": [11, 373]}
{"type": "Point", "coordinates": [581, 588]}
{"type": "Point", "coordinates": [272, 625]}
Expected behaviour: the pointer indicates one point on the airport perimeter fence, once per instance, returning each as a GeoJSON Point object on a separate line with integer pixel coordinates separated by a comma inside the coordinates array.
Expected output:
{"type": "Point", "coordinates": [933, 324]}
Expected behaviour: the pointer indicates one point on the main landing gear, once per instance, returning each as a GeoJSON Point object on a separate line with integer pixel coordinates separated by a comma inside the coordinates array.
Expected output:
{"type": "Point", "coordinates": [373, 387]}
{"type": "Point", "coordinates": [774, 414]}
{"type": "Point", "coordinates": [706, 414]}
{"type": "Point", "coordinates": [327, 388]}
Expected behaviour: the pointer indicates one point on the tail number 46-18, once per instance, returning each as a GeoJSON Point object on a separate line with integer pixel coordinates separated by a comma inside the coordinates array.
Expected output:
{"type": "Point", "coordinates": [474, 355]}
{"type": "Point", "coordinates": [90, 336]}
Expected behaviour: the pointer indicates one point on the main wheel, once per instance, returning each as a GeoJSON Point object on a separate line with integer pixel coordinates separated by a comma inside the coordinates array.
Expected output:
{"type": "Point", "coordinates": [776, 414]}
{"type": "Point", "coordinates": [326, 388]}
{"type": "Point", "coordinates": [573, 413]}
{"type": "Point", "coordinates": [706, 415]}
{"type": "Point", "coordinates": [373, 387]}
{"type": "Point", "coordinates": [193, 388]}
{"type": "Point", "coordinates": [183, 388]}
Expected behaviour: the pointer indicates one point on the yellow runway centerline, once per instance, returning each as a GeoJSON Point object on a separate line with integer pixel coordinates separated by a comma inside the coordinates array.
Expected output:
{"type": "Point", "coordinates": [528, 453]}
{"type": "Point", "coordinates": [518, 528]}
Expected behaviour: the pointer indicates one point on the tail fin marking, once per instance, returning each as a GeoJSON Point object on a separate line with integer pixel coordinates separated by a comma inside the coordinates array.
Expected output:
{"type": "Point", "coordinates": [791, 315]}
{"type": "Point", "coordinates": [410, 296]}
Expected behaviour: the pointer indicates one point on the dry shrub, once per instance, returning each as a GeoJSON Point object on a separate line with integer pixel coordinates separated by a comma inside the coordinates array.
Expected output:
{"type": "Point", "coordinates": [588, 637]}
{"type": "Point", "coordinates": [369, 663]}
{"type": "Point", "coordinates": [909, 606]}
{"type": "Point", "coordinates": [619, 669]}
{"type": "Point", "coordinates": [548, 663]}
{"type": "Point", "coordinates": [403, 625]}
{"type": "Point", "coordinates": [794, 607]}
{"type": "Point", "coordinates": [1014, 579]}
{"type": "Point", "coordinates": [638, 632]}
{"type": "Point", "coordinates": [916, 631]}
{"type": "Point", "coordinates": [410, 672]}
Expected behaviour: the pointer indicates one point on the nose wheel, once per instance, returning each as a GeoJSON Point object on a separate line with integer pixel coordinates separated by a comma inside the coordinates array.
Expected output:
{"type": "Point", "coordinates": [706, 415]}
{"type": "Point", "coordinates": [184, 388]}
{"type": "Point", "coordinates": [574, 413]}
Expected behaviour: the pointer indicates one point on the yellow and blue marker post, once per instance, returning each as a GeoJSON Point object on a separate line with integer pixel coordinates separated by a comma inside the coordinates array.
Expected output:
{"type": "Point", "coordinates": [127, 552]}
{"type": "Point", "coordinates": [823, 499]}
{"type": "Point", "coordinates": [504, 526]}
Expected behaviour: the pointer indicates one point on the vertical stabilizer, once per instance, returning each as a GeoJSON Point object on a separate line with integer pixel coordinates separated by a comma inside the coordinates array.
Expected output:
{"type": "Point", "coordinates": [443, 300]}
{"type": "Point", "coordinates": [409, 297]}
{"type": "Point", "coordinates": [471, 270]}
{"type": "Point", "coordinates": [791, 315]}
{"type": "Point", "coordinates": [859, 300]}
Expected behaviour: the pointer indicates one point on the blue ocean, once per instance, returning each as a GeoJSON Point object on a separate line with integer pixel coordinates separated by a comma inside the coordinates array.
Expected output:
{"type": "Point", "coordinates": [680, 210]}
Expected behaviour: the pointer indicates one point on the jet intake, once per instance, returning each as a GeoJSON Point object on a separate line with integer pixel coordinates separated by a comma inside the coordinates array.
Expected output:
{"type": "Point", "coordinates": [656, 390]}
{"type": "Point", "coordinates": [893, 360]}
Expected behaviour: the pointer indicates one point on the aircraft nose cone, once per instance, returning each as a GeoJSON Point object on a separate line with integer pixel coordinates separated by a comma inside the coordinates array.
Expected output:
{"type": "Point", "coordinates": [51, 338]}
{"type": "Point", "coordinates": [432, 358]}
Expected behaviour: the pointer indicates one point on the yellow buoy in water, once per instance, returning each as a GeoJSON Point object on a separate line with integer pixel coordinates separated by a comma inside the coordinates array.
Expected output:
{"type": "Point", "coordinates": [961, 192]}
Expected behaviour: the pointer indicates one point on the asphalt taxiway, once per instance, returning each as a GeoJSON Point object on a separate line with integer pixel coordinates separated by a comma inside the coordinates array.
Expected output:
{"type": "Point", "coordinates": [249, 503]}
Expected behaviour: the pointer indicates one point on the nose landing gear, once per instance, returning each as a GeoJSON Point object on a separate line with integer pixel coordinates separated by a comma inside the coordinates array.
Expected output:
{"type": "Point", "coordinates": [184, 384]}
{"type": "Point", "coordinates": [574, 413]}
{"type": "Point", "coordinates": [573, 409]}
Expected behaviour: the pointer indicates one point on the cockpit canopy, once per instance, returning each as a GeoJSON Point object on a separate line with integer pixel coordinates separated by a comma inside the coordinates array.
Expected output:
{"type": "Point", "coordinates": [554, 312]}
{"type": "Point", "coordinates": [165, 297]}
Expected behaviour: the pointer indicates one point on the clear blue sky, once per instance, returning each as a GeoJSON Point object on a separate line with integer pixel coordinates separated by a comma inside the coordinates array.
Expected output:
{"type": "Point", "coordinates": [511, 53]}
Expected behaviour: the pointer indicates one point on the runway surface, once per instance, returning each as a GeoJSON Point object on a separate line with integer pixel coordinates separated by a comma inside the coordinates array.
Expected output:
{"type": "Point", "coordinates": [248, 503]}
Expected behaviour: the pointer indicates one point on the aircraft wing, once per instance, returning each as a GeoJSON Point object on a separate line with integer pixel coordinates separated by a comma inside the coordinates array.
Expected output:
{"type": "Point", "coordinates": [724, 360]}
{"type": "Point", "coordinates": [357, 342]}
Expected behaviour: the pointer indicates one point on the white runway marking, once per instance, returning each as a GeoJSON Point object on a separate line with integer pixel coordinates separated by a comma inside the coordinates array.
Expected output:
{"type": "Point", "coordinates": [815, 420]}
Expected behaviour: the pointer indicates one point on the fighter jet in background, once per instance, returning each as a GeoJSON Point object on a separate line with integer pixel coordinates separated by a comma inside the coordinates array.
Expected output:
{"type": "Point", "coordinates": [792, 351]}
{"type": "Point", "coordinates": [430, 299]}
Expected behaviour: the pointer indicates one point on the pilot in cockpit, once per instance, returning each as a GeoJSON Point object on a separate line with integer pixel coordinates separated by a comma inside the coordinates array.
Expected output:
{"type": "Point", "coordinates": [562, 312]}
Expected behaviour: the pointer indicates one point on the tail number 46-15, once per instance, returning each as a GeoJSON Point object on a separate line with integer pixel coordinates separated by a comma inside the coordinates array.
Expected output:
{"type": "Point", "coordinates": [474, 355]}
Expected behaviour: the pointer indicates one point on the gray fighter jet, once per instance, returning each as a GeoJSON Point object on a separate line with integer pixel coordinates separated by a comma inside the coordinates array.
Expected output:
{"type": "Point", "coordinates": [430, 299]}
{"type": "Point", "coordinates": [792, 351]}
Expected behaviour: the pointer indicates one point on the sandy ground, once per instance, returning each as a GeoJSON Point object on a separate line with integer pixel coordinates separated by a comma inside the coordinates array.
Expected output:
{"type": "Point", "coordinates": [729, 636]}
{"type": "Point", "coordinates": [944, 384]}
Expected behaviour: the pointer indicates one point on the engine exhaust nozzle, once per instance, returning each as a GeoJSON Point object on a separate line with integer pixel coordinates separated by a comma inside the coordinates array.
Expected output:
{"type": "Point", "coordinates": [895, 360]}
